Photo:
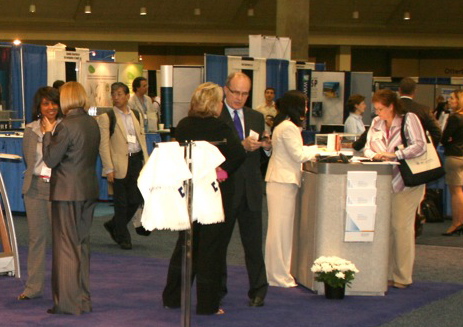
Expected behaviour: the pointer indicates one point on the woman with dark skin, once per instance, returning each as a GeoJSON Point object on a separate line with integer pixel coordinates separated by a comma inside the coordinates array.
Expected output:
{"type": "Point", "coordinates": [36, 189]}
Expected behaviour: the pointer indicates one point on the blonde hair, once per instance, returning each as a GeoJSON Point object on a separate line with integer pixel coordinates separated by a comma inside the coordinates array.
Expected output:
{"type": "Point", "coordinates": [459, 96]}
{"type": "Point", "coordinates": [73, 95]}
{"type": "Point", "coordinates": [205, 100]}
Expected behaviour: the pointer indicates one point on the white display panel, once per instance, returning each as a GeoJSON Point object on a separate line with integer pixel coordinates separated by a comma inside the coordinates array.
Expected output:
{"type": "Point", "coordinates": [185, 80]}
{"type": "Point", "coordinates": [327, 98]}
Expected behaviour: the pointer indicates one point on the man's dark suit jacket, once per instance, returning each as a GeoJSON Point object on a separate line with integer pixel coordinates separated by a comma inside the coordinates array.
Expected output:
{"type": "Point", "coordinates": [427, 119]}
{"type": "Point", "coordinates": [71, 152]}
{"type": "Point", "coordinates": [248, 178]}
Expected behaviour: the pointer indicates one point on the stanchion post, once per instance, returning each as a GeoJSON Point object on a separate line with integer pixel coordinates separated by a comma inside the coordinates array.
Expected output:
{"type": "Point", "coordinates": [188, 245]}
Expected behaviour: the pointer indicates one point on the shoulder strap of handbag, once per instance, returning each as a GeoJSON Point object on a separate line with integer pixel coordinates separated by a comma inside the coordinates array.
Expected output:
{"type": "Point", "coordinates": [402, 131]}
{"type": "Point", "coordinates": [112, 120]}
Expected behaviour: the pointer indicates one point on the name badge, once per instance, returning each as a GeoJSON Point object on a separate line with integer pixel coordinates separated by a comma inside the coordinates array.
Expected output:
{"type": "Point", "coordinates": [46, 172]}
{"type": "Point", "coordinates": [131, 139]}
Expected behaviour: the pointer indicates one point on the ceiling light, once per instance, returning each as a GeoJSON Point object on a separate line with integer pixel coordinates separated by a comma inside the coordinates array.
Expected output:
{"type": "Point", "coordinates": [88, 8]}
{"type": "Point", "coordinates": [407, 15]}
{"type": "Point", "coordinates": [197, 12]}
{"type": "Point", "coordinates": [355, 14]}
{"type": "Point", "coordinates": [17, 42]}
{"type": "Point", "coordinates": [143, 11]}
{"type": "Point", "coordinates": [250, 12]}
{"type": "Point", "coordinates": [32, 8]}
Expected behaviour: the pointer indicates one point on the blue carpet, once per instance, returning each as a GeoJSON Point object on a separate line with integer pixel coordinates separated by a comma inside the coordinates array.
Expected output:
{"type": "Point", "coordinates": [127, 290]}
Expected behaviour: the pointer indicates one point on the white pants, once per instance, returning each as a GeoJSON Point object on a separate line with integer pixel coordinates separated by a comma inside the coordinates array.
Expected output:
{"type": "Point", "coordinates": [281, 204]}
{"type": "Point", "coordinates": [402, 237]}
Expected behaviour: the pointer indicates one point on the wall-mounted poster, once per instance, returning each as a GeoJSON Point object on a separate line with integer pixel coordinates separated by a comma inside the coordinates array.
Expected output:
{"type": "Point", "coordinates": [326, 96]}
{"type": "Point", "coordinates": [128, 72]}
{"type": "Point", "coordinates": [317, 109]}
{"type": "Point", "coordinates": [98, 77]}
{"type": "Point", "coordinates": [331, 89]}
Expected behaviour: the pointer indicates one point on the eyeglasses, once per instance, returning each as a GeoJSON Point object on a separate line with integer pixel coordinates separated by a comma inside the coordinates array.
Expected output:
{"type": "Point", "coordinates": [380, 109]}
{"type": "Point", "coordinates": [238, 93]}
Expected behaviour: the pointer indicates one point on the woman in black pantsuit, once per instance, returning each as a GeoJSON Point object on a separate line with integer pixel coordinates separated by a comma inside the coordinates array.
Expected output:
{"type": "Point", "coordinates": [208, 248]}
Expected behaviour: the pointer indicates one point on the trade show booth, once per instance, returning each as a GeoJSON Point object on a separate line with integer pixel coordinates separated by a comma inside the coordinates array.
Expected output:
{"type": "Point", "coordinates": [344, 211]}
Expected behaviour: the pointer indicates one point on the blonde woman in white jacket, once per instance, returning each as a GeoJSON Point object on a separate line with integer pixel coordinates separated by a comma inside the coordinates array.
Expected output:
{"type": "Point", "coordinates": [283, 180]}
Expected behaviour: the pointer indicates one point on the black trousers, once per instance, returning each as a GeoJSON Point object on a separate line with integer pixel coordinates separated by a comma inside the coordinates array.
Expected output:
{"type": "Point", "coordinates": [127, 198]}
{"type": "Point", "coordinates": [250, 226]}
{"type": "Point", "coordinates": [207, 268]}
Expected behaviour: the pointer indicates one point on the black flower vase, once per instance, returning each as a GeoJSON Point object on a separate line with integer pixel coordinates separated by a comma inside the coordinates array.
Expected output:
{"type": "Point", "coordinates": [334, 293]}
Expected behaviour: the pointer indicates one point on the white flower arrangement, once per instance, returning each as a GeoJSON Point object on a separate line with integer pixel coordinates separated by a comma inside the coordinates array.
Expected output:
{"type": "Point", "coordinates": [334, 271]}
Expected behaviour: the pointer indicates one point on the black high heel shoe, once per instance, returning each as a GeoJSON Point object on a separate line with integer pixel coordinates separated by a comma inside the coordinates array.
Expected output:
{"type": "Point", "coordinates": [458, 230]}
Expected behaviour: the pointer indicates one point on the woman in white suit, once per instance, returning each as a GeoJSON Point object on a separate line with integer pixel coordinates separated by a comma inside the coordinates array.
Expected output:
{"type": "Point", "coordinates": [283, 180]}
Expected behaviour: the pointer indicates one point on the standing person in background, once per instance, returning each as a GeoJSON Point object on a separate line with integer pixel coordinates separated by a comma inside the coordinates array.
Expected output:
{"type": "Point", "coordinates": [356, 107]}
{"type": "Point", "coordinates": [441, 107]}
{"type": "Point", "coordinates": [268, 108]}
{"type": "Point", "coordinates": [123, 153]}
{"type": "Point", "coordinates": [143, 104]}
{"type": "Point", "coordinates": [57, 84]}
{"type": "Point", "coordinates": [202, 124]}
{"type": "Point", "coordinates": [452, 140]}
{"type": "Point", "coordinates": [71, 153]}
{"type": "Point", "coordinates": [407, 89]}
{"type": "Point", "coordinates": [36, 188]}
{"type": "Point", "coordinates": [384, 143]}
{"type": "Point", "coordinates": [249, 126]}
{"type": "Point", "coordinates": [283, 181]}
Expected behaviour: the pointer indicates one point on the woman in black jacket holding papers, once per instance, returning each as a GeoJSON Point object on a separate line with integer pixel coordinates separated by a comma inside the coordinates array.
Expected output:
{"type": "Point", "coordinates": [208, 249]}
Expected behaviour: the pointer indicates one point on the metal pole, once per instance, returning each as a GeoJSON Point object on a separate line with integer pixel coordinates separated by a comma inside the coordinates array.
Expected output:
{"type": "Point", "coordinates": [23, 124]}
{"type": "Point", "coordinates": [188, 246]}
{"type": "Point", "coordinates": [10, 225]}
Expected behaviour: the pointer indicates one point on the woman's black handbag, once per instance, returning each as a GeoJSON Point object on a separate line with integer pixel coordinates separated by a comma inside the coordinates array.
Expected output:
{"type": "Point", "coordinates": [422, 169]}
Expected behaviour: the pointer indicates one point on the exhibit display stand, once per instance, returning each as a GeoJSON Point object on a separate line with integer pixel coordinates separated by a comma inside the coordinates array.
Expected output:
{"type": "Point", "coordinates": [343, 216]}
{"type": "Point", "coordinates": [9, 259]}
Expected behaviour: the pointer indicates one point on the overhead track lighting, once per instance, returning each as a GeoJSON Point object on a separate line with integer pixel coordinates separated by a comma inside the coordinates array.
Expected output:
{"type": "Point", "coordinates": [143, 11]}
{"type": "Point", "coordinates": [355, 12]}
{"type": "Point", "coordinates": [17, 42]}
{"type": "Point", "coordinates": [197, 10]}
{"type": "Point", "coordinates": [88, 8]}
{"type": "Point", "coordinates": [32, 8]}
{"type": "Point", "coordinates": [407, 15]}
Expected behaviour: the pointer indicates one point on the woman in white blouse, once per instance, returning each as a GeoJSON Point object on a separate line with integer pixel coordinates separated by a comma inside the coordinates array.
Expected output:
{"type": "Point", "coordinates": [283, 180]}
{"type": "Point", "coordinates": [384, 143]}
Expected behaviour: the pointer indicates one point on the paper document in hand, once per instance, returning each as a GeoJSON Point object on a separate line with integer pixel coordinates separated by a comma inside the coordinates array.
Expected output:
{"type": "Point", "coordinates": [10, 156]}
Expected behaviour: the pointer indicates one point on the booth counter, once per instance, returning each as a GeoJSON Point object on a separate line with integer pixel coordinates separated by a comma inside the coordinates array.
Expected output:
{"type": "Point", "coordinates": [12, 170]}
{"type": "Point", "coordinates": [320, 224]}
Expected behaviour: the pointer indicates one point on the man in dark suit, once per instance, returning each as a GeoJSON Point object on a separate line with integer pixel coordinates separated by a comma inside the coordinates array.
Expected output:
{"type": "Point", "coordinates": [407, 88]}
{"type": "Point", "coordinates": [247, 199]}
